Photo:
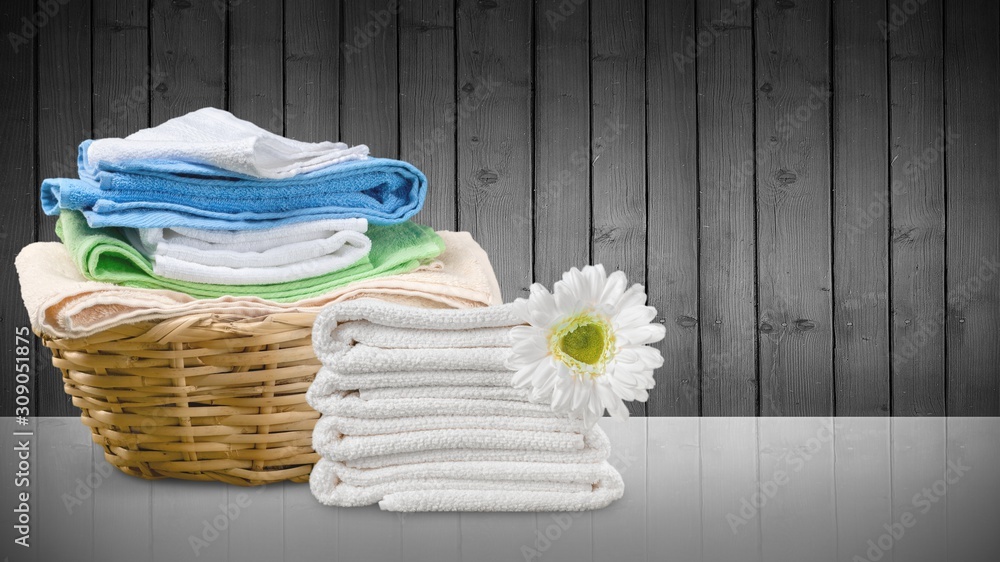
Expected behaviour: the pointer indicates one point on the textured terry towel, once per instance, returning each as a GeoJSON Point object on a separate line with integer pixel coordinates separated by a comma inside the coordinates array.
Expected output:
{"type": "Point", "coordinates": [469, 486]}
{"type": "Point", "coordinates": [215, 137]}
{"type": "Point", "coordinates": [105, 255]}
{"type": "Point", "coordinates": [64, 304]}
{"type": "Point", "coordinates": [596, 449]}
{"type": "Point", "coordinates": [275, 255]}
{"type": "Point", "coordinates": [152, 194]}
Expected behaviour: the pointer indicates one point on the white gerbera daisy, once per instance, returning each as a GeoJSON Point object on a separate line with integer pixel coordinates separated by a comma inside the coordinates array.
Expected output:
{"type": "Point", "coordinates": [584, 348]}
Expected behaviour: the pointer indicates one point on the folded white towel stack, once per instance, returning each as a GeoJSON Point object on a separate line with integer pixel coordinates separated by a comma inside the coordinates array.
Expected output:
{"type": "Point", "coordinates": [419, 414]}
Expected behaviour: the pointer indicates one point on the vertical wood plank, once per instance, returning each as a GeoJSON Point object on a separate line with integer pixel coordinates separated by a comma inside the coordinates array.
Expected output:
{"type": "Point", "coordinates": [672, 228]}
{"type": "Point", "coordinates": [918, 460]}
{"type": "Point", "coordinates": [17, 215]}
{"type": "Point", "coordinates": [121, 68]}
{"type": "Point", "coordinates": [64, 121]}
{"type": "Point", "coordinates": [256, 534]}
{"type": "Point", "coordinates": [972, 63]}
{"type": "Point", "coordinates": [918, 212]}
{"type": "Point", "coordinates": [445, 528]}
{"type": "Point", "coordinates": [863, 472]}
{"type": "Point", "coordinates": [369, 533]}
{"type": "Point", "coordinates": [793, 208]}
{"type": "Point", "coordinates": [123, 510]}
{"type": "Point", "coordinates": [726, 174]}
{"type": "Point", "coordinates": [494, 142]}
{"type": "Point", "coordinates": [973, 489]}
{"type": "Point", "coordinates": [618, 137]}
{"type": "Point", "coordinates": [312, 70]}
{"type": "Point", "coordinates": [561, 138]}
{"type": "Point", "coordinates": [256, 61]}
{"type": "Point", "coordinates": [673, 488]}
{"type": "Point", "coordinates": [310, 528]}
{"type": "Point", "coordinates": [798, 506]}
{"type": "Point", "coordinates": [861, 215]}
{"type": "Point", "coordinates": [427, 109]}
{"type": "Point", "coordinates": [191, 521]}
{"type": "Point", "coordinates": [188, 46]}
{"type": "Point", "coordinates": [730, 524]}
{"type": "Point", "coordinates": [369, 109]}
{"type": "Point", "coordinates": [620, 529]}
{"type": "Point", "coordinates": [64, 517]}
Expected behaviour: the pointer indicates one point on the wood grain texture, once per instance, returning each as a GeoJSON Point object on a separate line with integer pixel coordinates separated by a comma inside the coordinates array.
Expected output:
{"type": "Point", "coordinates": [618, 137]}
{"type": "Point", "coordinates": [369, 109]}
{"type": "Point", "coordinates": [561, 139]}
{"type": "Point", "coordinates": [18, 214]}
{"type": "Point", "coordinates": [427, 109]}
{"type": "Point", "coordinates": [916, 86]}
{"type": "Point", "coordinates": [861, 210]}
{"type": "Point", "coordinates": [919, 448]}
{"type": "Point", "coordinates": [256, 63]}
{"type": "Point", "coordinates": [863, 482]}
{"type": "Point", "coordinates": [188, 46]}
{"type": "Point", "coordinates": [728, 326]}
{"type": "Point", "coordinates": [972, 63]}
{"type": "Point", "coordinates": [794, 459]}
{"type": "Point", "coordinates": [494, 142]}
{"type": "Point", "coordinates": [973, 519]}
{"type": "Point", "coordinates": [793, 208]}
{"type": "Point", "coordinates": [122, 74]}
{"type": "Point", "coordinates": [673, 446]}
{"type": "Point", "coordinates": [312, 75]}
{"type": "Point", "coordinates": [729, 479]}
{"type": "Point", "coordinates": [672, 226]}
{"type": "Point", "coordinates": [64, 121]}
{"type": "Point", "coordinates": [616, 536]}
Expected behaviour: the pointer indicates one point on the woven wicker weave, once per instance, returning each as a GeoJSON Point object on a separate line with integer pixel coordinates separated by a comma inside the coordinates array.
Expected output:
{"type": "Point", "coordinates": [198, 397]}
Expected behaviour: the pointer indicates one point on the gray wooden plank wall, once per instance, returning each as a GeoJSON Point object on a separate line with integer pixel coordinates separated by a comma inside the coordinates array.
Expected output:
{"type": "Point", "coordinates": [818, 229]}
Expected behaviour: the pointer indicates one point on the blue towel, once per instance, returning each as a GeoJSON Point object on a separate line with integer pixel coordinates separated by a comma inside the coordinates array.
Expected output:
{"type": "Point", "coordinates": [167, 194]}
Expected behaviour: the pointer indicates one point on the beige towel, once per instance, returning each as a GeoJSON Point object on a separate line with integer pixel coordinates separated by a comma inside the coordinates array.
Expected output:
{"type": "Point", "coordinates": [62, 303]}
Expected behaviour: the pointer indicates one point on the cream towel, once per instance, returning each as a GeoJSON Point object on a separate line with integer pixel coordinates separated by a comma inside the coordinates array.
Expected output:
{"type": "Point", "coordinates": [215, 137]}
{"type": "Point", "coordinates": [62, 303]}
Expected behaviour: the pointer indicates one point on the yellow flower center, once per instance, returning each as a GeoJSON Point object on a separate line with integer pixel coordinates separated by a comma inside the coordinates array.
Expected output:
{"type": "Point", "coordinates": [583, 342]}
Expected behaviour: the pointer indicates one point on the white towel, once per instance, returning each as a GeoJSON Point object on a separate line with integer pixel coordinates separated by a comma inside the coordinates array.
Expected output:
{"type": "Point", "coordinates": [329, 381]}
{"type": "Point", "coordinates": [218, 138]}
{"type": "Point", "coordinates": [453, 330]}
{"type": "Point", "coordinates": [351, 405]}
{"type": "Point", "coordinates": [277, 255]}
{"type": "Point", "coordinates": [596, 449]}
{"type": "Point", "coordinates": [419, 414]}
{"type": "Point", "coordinates": [340, 425]}
{"type": "Point", "coordinates": [462, 392]}
{"type": "Point", "coordinates": [336, 446]}
{"type": "Point", "coordinates": [508, 486]}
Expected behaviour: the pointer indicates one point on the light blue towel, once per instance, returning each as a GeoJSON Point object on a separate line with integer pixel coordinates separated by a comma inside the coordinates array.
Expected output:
{"type": "Point", "coordinates": [166, 194]}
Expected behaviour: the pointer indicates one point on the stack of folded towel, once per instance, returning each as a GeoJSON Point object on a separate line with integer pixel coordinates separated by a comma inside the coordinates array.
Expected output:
{"type": "Point", "coordinates": [209, 205]}
{"type": "Point", "coordinates": [419, 414]}
{"type": "Point", "coordinates": [208, 213]}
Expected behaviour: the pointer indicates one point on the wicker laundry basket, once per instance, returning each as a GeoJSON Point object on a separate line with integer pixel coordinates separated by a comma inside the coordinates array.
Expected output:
{"type": "Point", "coordinates": [200, 397]}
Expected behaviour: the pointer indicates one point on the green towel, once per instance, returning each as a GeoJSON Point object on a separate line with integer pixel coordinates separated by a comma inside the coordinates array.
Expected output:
{"type": "Point", "coordinates": [103, 254]}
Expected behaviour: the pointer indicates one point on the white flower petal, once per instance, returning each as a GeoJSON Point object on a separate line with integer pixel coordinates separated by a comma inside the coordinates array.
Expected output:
{"type": "Point", "coordinates": [641, 335]}
{"type": "Point", "coordinates": [634, 316]}
{"type": "Point", "coordinates": [521, 309]}
{"type": "Point", "coordinates": [614, 289]}
{"type": "Point", "coordinates": [633, 296]}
